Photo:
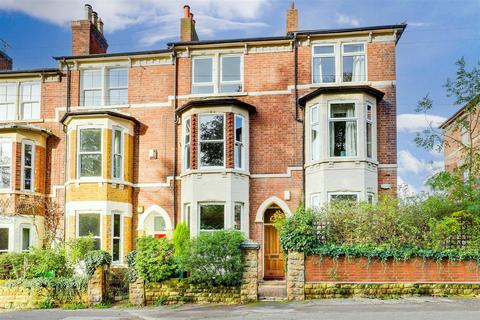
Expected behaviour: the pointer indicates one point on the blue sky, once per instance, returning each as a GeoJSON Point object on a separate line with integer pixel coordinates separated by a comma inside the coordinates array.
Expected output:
{"type": "Point", "coordinates": [439, 33]}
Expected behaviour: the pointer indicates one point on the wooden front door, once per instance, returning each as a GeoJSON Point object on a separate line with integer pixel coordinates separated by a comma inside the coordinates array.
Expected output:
{"type": "Point", "coordinates": [274, 263]}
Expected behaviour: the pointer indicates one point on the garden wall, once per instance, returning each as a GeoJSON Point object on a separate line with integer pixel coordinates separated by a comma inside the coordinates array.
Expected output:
{"type": "Point", "coordinates": [18, 297]}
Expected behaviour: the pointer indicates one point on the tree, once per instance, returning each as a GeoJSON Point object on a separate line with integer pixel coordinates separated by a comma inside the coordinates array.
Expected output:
{"type": "Point", "coordinates": [465, 88]}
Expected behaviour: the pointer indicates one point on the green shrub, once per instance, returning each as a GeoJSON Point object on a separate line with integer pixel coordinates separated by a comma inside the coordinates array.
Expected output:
{"type": "Point", "coordinates": [131, 275]}
{"type": "Point", "coordinates": [78, 249]}
{"type": "Point", "coordinates": [181, 242]}
{"type": "Point", "coordinates": [155, 260]}
{"type": "Point", "coordinates": [12, 265]}
{"type": "Point", "coordinates": [46, 263]}
{"type": "Point", "coordinates": [298, 233]}
{"type": "Point", "coordinates": [95, 259]}
{"type": "Point", "coordinates": [215, 258]}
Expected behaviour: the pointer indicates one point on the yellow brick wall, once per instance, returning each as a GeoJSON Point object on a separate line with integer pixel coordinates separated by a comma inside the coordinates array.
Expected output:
{"type": "Point", "coordinates": [107, 233]}
{"type": "Point", "coordinates": [93, 192]}
{"type": "Point", "coordinates": [127, 235]}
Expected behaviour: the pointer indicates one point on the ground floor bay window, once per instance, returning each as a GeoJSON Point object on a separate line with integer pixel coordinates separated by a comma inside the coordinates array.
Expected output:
{"type": "Point", "coordinates": [89, 225]}
{"type": "Point", "coordinates": [212, 217]}
{"type": "Point", "coordinates": [343, 130]}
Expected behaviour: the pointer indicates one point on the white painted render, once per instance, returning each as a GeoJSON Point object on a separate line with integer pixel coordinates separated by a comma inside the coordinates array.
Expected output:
{"type": "Point", "coordinates": [16, 223]}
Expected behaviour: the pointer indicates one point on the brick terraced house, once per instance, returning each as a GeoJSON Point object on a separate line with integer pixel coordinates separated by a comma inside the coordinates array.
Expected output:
{"type": "Point", "coordinates": [217, 134]}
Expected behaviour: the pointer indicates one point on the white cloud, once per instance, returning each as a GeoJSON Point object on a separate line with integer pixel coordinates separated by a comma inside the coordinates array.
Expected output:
{"type": "Point", "coordinates": [160, 18]}
{"type": "Point", "coordinates": [418, 24]}
{"type": "Point", "coordinates": [412, 122]}
{"type": "Point", "coordinates": [407, 162]}
{"type": "Point", "coordinates": [405, 189]}
{"type": "Point", "coordinates": [347, 20]}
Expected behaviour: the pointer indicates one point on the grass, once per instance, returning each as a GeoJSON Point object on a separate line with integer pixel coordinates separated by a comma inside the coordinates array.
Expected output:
{"type": "Point", "coordinates": [74, 306]}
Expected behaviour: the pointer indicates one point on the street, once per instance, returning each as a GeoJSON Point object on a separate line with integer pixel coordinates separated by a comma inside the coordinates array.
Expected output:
{"type": "Point", "coordinates": [423, 308]}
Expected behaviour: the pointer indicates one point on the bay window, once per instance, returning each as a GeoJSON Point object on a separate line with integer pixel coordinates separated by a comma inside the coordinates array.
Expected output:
{"type": "Point", "coordinates": [323, 63]}
{"type": "Point", "coordinates": [315, 200]}
{"type": "Point", "coordinates": [211, 140]}
{"type": "Point", "coordinates": [353, 62]}
{"type": "Point", "coordinates": [116, 237]}
{"type": "Point", "coordinates": [5, 163]}
{"type": "Point", "coordinates": [186, 143]}
{"type": "Point", "coordinates": [26, 238]}
{"type": "Point", "coordinates": [314, 133]}
{"type": "Point", "coordinates": [117, 150]}
{"type": "Point", "coordinates": [371, 198]}
{"type": "Point", "coordinates": [89, 225]}
{"type": "Point", "coordinates": [104, 87]}
{"type": "Point", "coordinates": [369, 128]}
{"type": "Point", "coordinates": [239, 144]}
{"type": "Point", "coordinates": [4, 239]}
{"type": "Point", "coordinates": [28, 163]}
{"type": "Point", "coordinates": [30, 103]}
{"type": "Point", "coordinates": [90, 152]}
{"type": "Point", "coordinates": [217, 74]}
{"type": "Point", "coordinates": [237, 216]}
{"type": "Point", "coordinates": [20, 101]}
{"type": "Point", "coordinates": [343, 130]}
{"type": "Point", "coordinates": [212, 217]}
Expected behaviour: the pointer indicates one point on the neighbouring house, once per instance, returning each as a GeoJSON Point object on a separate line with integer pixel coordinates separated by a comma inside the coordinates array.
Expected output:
{"type": "Point", "coordinates": [217, 134]}
{"type": "Point", "coordinates": [461, 131]}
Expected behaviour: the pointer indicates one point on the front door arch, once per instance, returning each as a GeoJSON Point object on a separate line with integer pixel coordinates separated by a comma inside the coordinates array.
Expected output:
{"type": "Point", "coordinates": [273, 258]}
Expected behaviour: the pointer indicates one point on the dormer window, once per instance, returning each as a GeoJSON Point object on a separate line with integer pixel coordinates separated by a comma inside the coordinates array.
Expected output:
{"type": "Point", "coordinates": [217, 74]}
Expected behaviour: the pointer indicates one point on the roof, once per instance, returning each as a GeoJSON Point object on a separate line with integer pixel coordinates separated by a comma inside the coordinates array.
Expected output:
{"type": "Point", "coordinates": [26, 127]}
{"type": "Point", "coordinates": [98, 113]}
{"type": "Point", "coordinates": [335, 89]}
{"type": "Point", "coordinates": [40, 70]}
{"type": "Point", "coordinates": [117, 54]}
{"type": "Point", "coordinates": [5, 56]}
{"type": "Point", "coordinates": [216, 102]}
{"type": "Point", "coordinates": [449, 121]}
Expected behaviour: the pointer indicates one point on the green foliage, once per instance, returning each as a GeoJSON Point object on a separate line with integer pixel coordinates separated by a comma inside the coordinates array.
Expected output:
{"type": "Point", "coordinates": [78, 249]}
{"type": "Point", "coordinates": [161, 301]}
{"type": "Point", "coordinates": [131, 275]}
{"type": "Point", "coordinates": [47, 303]}
{"type": "Point", "coordinates": [74, 306]}
{"type": "Point", "coordinates": [181, 242]}
{"type": "Point", "coordinates": [155, 260]}
{"type": "Point", "coordinates": [298, 233]}
{"type": "Point", "coordinates": [95, 259]}
{"type": "Point", "coordinates": [215, 258]}
{"type": "Point", "coordinates": [12, 265]}
{"type": "Point", "coordinates": [103, 305]}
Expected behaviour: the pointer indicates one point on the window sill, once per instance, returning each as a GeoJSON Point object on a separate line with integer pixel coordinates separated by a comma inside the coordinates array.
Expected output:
{"type": "Point", "coordinates": [23, 121]}
{"type": "Point", "coordinates": [223, 94]}
{"type": "Point", "coordinates": [214, 170]}
{"type": "Point", "coordinates": [340, 160]}
{"type": "Point", "coordinates": [337, 84]}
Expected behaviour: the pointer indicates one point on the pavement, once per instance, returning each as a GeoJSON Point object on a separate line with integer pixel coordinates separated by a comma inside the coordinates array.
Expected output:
{"type": "Point", "coordinates": [335, 309]}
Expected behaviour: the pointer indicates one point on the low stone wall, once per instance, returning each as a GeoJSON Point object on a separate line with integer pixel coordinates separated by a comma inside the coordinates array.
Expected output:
{"type": "Point", "coordinates": [327, 269]}
{"type": "Point", "coordinates": [385, 290]}
{"type": "Point", "coordinates": [175, 291]}
{"type": "Point", "coordinates": [19, 297]}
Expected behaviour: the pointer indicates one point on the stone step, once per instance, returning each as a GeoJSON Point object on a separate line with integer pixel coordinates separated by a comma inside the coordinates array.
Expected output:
{"type": "Point", "coordinates": [272, 290]}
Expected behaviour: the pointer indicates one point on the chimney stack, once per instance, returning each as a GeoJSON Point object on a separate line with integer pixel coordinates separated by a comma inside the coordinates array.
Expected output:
{"type": "Point", "coordinates": [292, 18]}
{"type": "Point", "coordinates": [87, 34]}
{"type": "Point", "coordinates": [187, 26]}
{"type": "Point", "coordinates": [6, 62]}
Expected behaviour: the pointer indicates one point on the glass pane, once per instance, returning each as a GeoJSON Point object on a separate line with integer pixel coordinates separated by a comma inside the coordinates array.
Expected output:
{"type": "Point", "coordinates": [343, 138]}
{"type": "Point", "coordinates": [369, 140]}
{"type": "Point", "coordinates": [116, 225]}
{"type": "Point", "coordinates": [323, 69]}
{"type": "Point", "coordinates": [118, 78]}
{"type": "Point", "coordinates": [196, 89]}
{"type": "Point", "coordinates": [354, 68]}
{"type": "Point", "coordinates": [90, 140]}
{"type": "Point", "coordinates": [187, 157]}
{"type": "Point", "coordinates": [237, 87]}
{"type": "Point", "coordinates": [369, 112]}
{"type": "Point", "coordinates": [92, 98]}
{"type": "Point", "coordinates": [323, 50]}
{"type": "Point", "coordinates": [211, 154]}
{"type": "Point", "coordinates": [231, 68]}
{"type": "Point", "coordinates": [116, 250]}
{"type": "Point", "coordinates": [342, 110]}
{"type": "Point", "coordinates": [118, 96]}
{"type": "Point", "coordinates": [27, 156]}
{"type": "Point", "coordinates": [5, 153]}
{"type": "Point", "coordinates": [25, 238]}
{"type": "Point", "coordinates": [27, 180]}
{"type": "Point", "coordinates": [343, 197]}
{"type": "Point", "coordinates": [90, 165]}
{"type": "Point", "coordinates": [315, 201]}
{"type": "Point", "coordinates": [349, 48]}
{"type": "Point", "coordinates": [3, 239]}
{"type": "Point", "coordinates": [212, 217]}
{"type": "Point", "coordinates": [159, 224]}
{"type": "Point", "coordinates": [211, 127]}
{"type": "Point", "coordinates": [238, 217]}
{"type": "Point", "coordinates": [117, 139]}
{"type": "Point", "coordinates": [315, 146]}
{"type": "Point", "coordinates": [238, 128]}
{"type": "Point", "coordinates": [7, 111]}
{"type": "Point", "coordinates": [202, 70]}
{"type": "Point", "coordinates": [238, 156]}
{"type": "Point", "coordinates": [117, 166]}
{"type": "Point", "coordinates": [187, 131]}
{"type": "Point", "coordinates": [5, 177]}
{"type": "Point", "coordinates": [89, 224]}
{"type": "Point", "coordinates": [30, 110]}
{"type": "Point", "coordinates": [314, 115]}
{"type": "Point", "coordinates": [92, 79]}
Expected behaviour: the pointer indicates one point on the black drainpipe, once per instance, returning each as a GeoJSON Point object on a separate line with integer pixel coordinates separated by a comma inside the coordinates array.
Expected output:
{"type": "Point", "coordinates": [65, 155]}
{"type": "Point", "coordinates": [175, 121]}
{"type": "Point", "coordinates": [297, 118]}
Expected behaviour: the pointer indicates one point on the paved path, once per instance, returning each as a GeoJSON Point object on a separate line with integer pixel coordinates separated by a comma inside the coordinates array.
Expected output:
{"type": "Point", "coordinates": [358, 309]}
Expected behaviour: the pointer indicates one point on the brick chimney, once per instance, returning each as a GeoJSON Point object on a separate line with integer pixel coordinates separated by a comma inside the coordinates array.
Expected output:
{"type": "Point", "coordinates": [87, 34]}
{"type": "Point", "coordinates": [187, 26]}
{"type": "Point", "coordinates": [6, 62]}
{"type": "Point", "coordinates": [292, 18]}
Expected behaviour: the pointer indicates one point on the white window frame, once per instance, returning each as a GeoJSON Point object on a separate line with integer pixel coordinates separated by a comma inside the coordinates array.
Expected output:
{"type": "Point", "coordinates": [346, 193]}
{"type": "Point", "coordinates": [14, 85]}
{"type": "Point", "coordinates": [242, 211]}
{"type": "Point", "coordinates": [10, 237]}
{"type": "Point", "coordinates": [30, 242]}
{"type": "Point", "coordinates": [330, 119]}
{"type": "Point", "coordinates": [350, 54]}
{"type": "Point", "coordinates": [187, 214]}
{"type": "Point", "coordinates": [79, 128]}
{"type": "Point", "coordinates": [372, 125]}
{"type": "Point", "coordinates": [21, 102]}
{"type": "Point", "coordinates": [119, 238]}
{"type": "Point", "coordinates": [217, 74]}
{"type": "Point", "coordinates": [186, 162]}
{"type": "Point", "coordinates": [18, 99]}
{"type": "Point", "coordinates": [77, 225]}
{"type": "Point", "coordinates": [8, 141]}
{"type": "Point", "coordinates": [104, 85]}
{"type": "Point", "coordinates": [313, 196]}
{"type": "Point", "coordinates": [325, 55]}
{"type": "Point", "coordinates": [108, 88]}
{"type": "Point", "coordinates": [372, 196]}
{"type": "Point", "coordinates": [312, 124]}
{"type": "Point", "coordinates": [220, 74]}
{"type": "Point", "coordinates": [122, 152]}
{"type": "Point", "coordinates": [32, 167]}
{"type": "Point", "coordinates": [200, 204]}
{"type": "Point", "coordinates": [211, 141]}
{"type": "Point", "coordinates": [240, 144]}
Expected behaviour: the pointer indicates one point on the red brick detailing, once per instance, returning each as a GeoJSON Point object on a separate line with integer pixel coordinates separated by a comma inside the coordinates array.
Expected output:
{"type": "Point", "coordinates": [387, 176]}
{"type": "Point", "coordinates": [230, 140]}
{"type": "Point", "coordinates": [381, 61]}
{"type": "Point", "coordinates": [326, 269]}
{"type": "Point", "coordinates": [86, 39]}
{"type": "Point", "coordinates": [193, 141]}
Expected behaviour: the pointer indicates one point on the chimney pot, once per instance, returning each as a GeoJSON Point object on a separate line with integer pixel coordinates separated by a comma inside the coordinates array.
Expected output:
{"type": "Point", "coordinates": [100, 25]}
{"type": "Point", "coordinates": [95, 18]}
{"type": "Point", "coordinates": [88, 12]}
{"type": "Point", "coordinates": [186, 11]}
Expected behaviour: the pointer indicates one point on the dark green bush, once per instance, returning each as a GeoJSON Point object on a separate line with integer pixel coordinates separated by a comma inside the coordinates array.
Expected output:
{"type": "Point", "coordinates": [215, 258]}
{"type": "Point", "coordinates": [181, 242]}
{"type": "Point", "coordinates": [131, 275]}
{"type": "Point", "coordinates": [12, 265]}
{"type": "Point", "coordinates": [95, 259]}
{"type": "Point", "coordinates": [155, 259]}
{"type": "Point", "coordinates": [298, 233]}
